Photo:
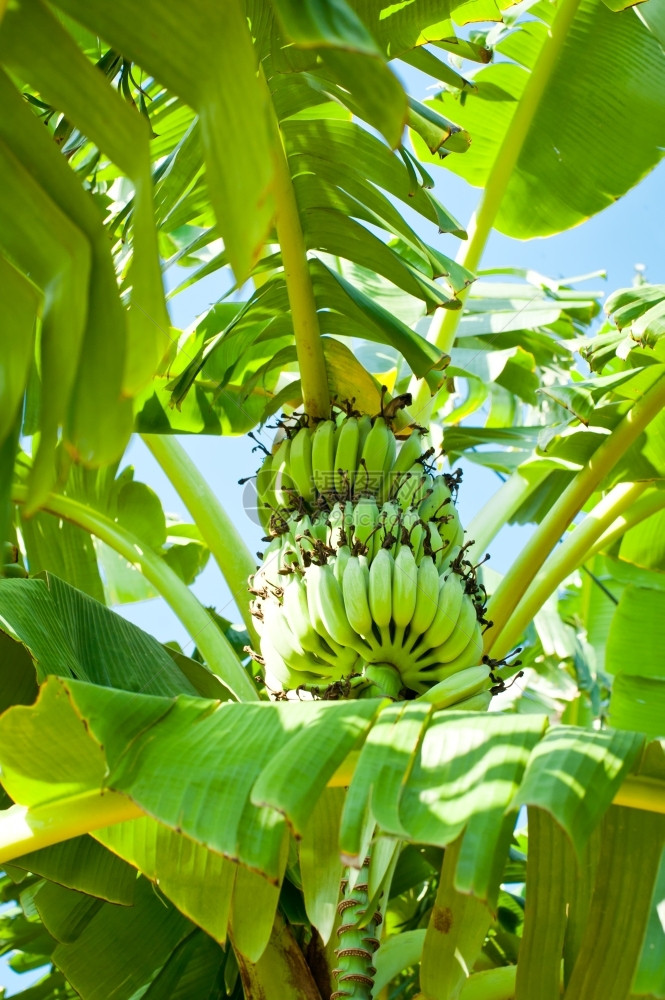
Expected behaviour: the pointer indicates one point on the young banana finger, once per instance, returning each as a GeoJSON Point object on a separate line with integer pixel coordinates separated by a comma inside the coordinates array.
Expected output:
{"type": "Point", "coordinates": [378, 454]}
{"type": "Point", "coordinates": [405, 586]}
{"type": "Point", "coordinates": [329, 599]}
{"type": "Point", "coordinates": [451, 597]}
{"type": "Point", "coordinates": [380, 588]}
{"type": "Point", "coordinates": [356, 598]}
{"type": "Point", "coordinates": [427, 597]}
{"type": "Point", "coordinates": [346, 457]}
{"type": "Point", "coordinates": [471, 655]}
{"type": "Point", "coordinates": [323, 456]}
{"type": "Point", "coordinates": [463, 634]}
{"type": "Point", "coordinates": [461, 685]}
{"type": "Point", "coordinates": [300, 464]}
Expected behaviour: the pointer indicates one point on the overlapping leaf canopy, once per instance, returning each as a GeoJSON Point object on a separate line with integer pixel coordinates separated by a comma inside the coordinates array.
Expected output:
{"type": "Point", "coordinates": [236, 789]}
{"type": "Point", "coordinates": [214, 97]}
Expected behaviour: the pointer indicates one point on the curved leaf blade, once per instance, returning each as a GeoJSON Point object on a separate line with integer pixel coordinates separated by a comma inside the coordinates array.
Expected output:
{"type": "Point", "coordinates": [568, 168]}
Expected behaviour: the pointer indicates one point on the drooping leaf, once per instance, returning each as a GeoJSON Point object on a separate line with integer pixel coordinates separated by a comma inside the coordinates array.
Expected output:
{"type": "Point", "coordinates": [650, 975]}
{"type": "Point", "coordinates": [83, 865]}
{"type": "Point", "coordinates": [195, 735]}
{"type": "Point", "coordinates": [19, 682]}
{"type": "Point", "coordinates": [68, 633]}
{"type": "Point", "coordinates": [98, 422]}
{"type": "Point", "coordinates": [254, 905]}
{"type": "Point", "coordinates": [638, 703]}
{"type": "Point", "coordinates": [456, 930]}
{"type": "Point", "coordinates": [549, 861]}
{"type": "Point", "coordinates": [590, 765]}
{"type": "Point", "coordinates": [282, 784]}
{"type": "Point", "coordinates": [640, 311]}
{"type": "Point", "coordinates": [130, 945]}
{"type": "Point", "coordinates": [212, 66]}
{"type": "Point", "coordinates": [632, 842]}
{"type": "Point", "coordinates": [197, 881]}
{"type": "Point", "coordinates": [370, 89]}
{"type": "Point", "coordinates": [92, 104]}
{"type": "Point", "coordinates": [380, 774]}
{"type": "Point", "coordinates": [426, 793]}
{"type": "Point", "coordinates": [65, 913]}
{"type": "Point", "coordinates": [320, 864]}
{"type": "Point", "coordinates": [192, 970]}
{"type": "Point", "coordinates": [42, 241]}
{"type": "Point", "coordinates": [21, 304]}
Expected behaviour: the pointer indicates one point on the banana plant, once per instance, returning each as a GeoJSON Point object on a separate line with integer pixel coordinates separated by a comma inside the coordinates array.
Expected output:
{"type": "Point", "coordinates": [171, 828]}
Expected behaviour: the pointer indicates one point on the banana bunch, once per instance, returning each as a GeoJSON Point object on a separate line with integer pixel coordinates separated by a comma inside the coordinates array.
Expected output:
{"type": "Point", "coordinates": [364, 589]}
{"type": "Point", "coordinates": [313, 467]}
{"type": "Point", "coordinates": [394, 625]}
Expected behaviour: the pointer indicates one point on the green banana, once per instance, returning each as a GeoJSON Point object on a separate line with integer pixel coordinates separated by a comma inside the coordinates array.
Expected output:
{"type": "Point", "coordinates": [302, 535]}
{"type": "Point", "coordinates": [450, 530]}
{"type": "Point", "coordinates": [409, 453]}
{"type": "Point", "coordinates": [339, 561]}
{"type": "Point", "coordinates": [297, 616]}
{"type": "Point", "coordinates": [283, 485]}
{"type": "Point", "coordinates": [380, 588]}
{"type": "Point", "coordinates": [405, 587]}
{"type": "Point", "coordinates": [410, 487]}
{"type": "Point", "coordinates": [427, 596]}
{"type": "Point", "coordinates": [343, 658]}
{"type": "Point", "coordinates": [276, 667]}
{"type": "Point", "coordinates": [433, 545]}
{"type": "Point", "coordinates": [9, 553]}
{"type": "Point", "coordinates": [436, 504]}
{"type": "Point", "coordinates": [329, 599]}
{"type": "Point", "coordinates": [365, 520]}
{"type": "Point", "coordinates": [463, 684]}
{"type": "Point", "coordinates": [457, 642]}
{"type": "Point", "coordinates": [391, 451]}
{"type": "Point", "coordinates": [264, 492]}
{"type": "Point", "coordinates": [13, 571]}
{"type": "Point", "coordinates": [356, 599]}
{"type": "Point", "coordinates": [268, 573]}
{"type": "Point", "coordinates": [378, 455]}
{"type": "Point", "coordinates": [323, 456]}
{"type": "Point", "coordinates": [319, 530]}
{"type": "Point", "coordinates": [348, 521]}
{"type": "Point", "coordinates": [356, 587]}
{"type": "Point", "coordinates": [275, 627]}
{"type": "Point", "coordinates": [451, 599]}
{"type": "Point", "coordinates": [364, 427]}
{"type": "Point", "coordinates": [470, 656]}
{"type": "Point", "coordinates": [300, 464]}
{"type": "Point", "coordinates": [346, 457]}
{"type": "Point", "coordinates": [336, 534]}
{"type": "Point", "coordinates": [413, 532]}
